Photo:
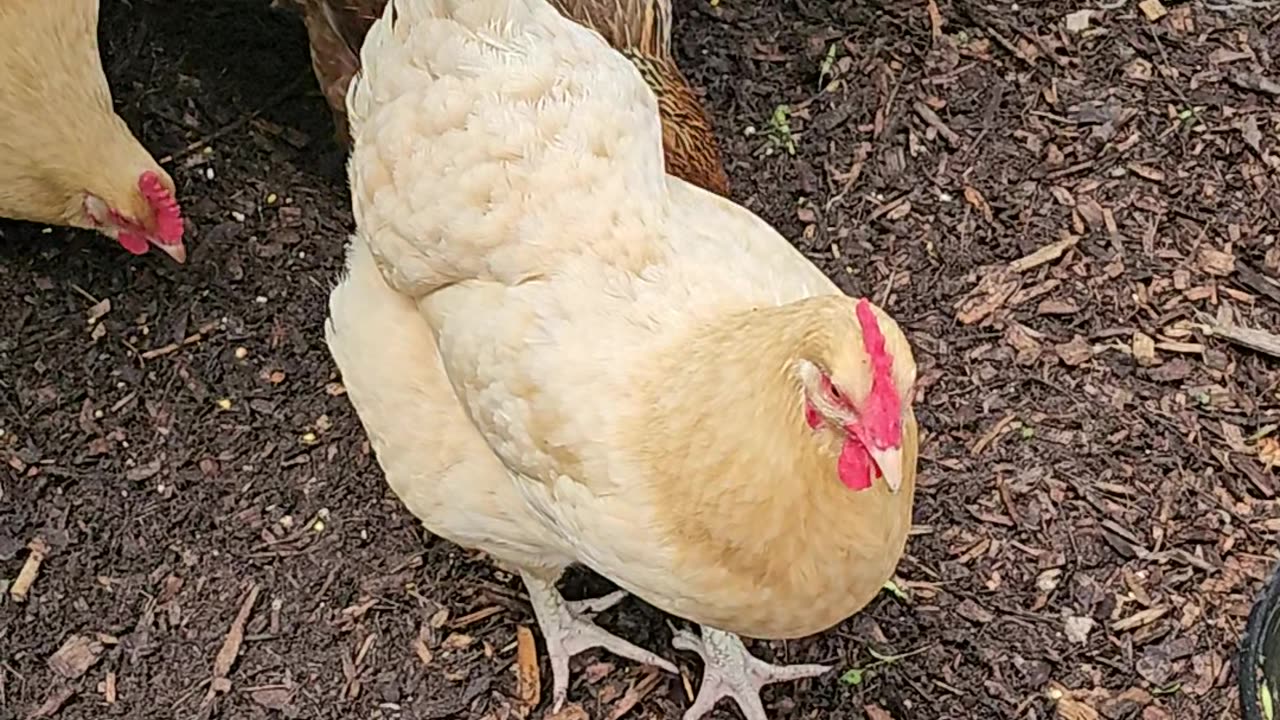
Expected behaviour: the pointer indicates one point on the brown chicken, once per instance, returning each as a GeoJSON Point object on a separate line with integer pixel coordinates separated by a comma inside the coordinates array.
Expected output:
{"type": "Point", "coordinates": [639, 29]}
{"type": "Point", "coordinates": [66, 157]}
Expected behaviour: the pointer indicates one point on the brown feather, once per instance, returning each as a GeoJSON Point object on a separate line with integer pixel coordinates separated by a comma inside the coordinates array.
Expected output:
{"type": "Point", "coordinates": [640, 29]}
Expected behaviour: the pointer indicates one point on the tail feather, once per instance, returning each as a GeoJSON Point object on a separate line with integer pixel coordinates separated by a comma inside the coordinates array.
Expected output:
{"type": "Point", "coordinates": [632, 26]}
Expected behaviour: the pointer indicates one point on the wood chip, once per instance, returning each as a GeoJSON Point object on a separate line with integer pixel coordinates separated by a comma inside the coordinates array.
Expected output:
{"type": "Point", "coordinates": [1180, 347]}
{"type": "Point", "coordinates": [97, 311]}
{"type": "Point", "coordinates": [1140, 618]}
{"type": "Point", "coordinates": [1144, 349]}
{"type": "Point", "coordinates": [1046, 254]}
{"type": "Point", "coordinates": [1071, 709]}
{"type": "Point", "coordinates": [635, 693]}
{"type": "Point", "coordinates": [1153, 9]}
{"type": "Point", "coordinates": [77, 654]}
{"type": "Point", "coordinates": [1256, 340]}
{"type": "Point", "coordinates": [931, 118]}
{"type": "Point", "coordinates": [1074, 353]}
{"type": "Point", "coordinates": [1078, 21]}
{"type": "Point", "coordinates": [528, 681]}
{"type": "Point", "coordinates": [1147, 172]}
{"type": "Point", "coordinates": [420, 645]}
{"type": "Point", "coordinates": [935, 20]}
{"type": "Point", "coordinates": [230, 647]}
{"type": "Point", "coordinates": [39, 550]}
{"type": "Point", "coordinates": [477, 616]}
{"type": "Point", "coordinates": [569, 712]}
{"type": "Point", "coordinates": [1255, 82]}
{"type": "Point", "coordinates": [1216, 262]}
{"type": "Point", "coordinates": [979, 203]}
{"type": "Point", "coordinates": [53, 703]}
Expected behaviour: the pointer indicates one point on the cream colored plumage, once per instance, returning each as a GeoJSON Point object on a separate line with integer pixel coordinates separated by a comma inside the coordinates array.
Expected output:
{"type": "Point", "coordinates": [563, 355]}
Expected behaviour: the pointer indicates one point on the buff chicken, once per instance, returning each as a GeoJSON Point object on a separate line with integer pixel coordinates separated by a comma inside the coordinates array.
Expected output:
{"type": "Point", "coordinates": [66, 157]}
{"type": "Point", "coordinates": [640, 29]}
{"type": "Point", "coordinates": [563, 355]}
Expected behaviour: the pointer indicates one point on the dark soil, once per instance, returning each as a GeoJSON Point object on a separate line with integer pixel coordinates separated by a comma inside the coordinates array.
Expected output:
{"type": "Point", "coordinates": [1098, 503]}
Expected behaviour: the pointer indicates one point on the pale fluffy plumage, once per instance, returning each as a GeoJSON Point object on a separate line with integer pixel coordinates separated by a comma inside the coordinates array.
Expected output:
{"type": "Point", "coordinates": [619, 377]}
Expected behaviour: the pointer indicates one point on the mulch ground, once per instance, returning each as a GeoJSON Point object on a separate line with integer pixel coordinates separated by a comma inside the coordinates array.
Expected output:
{"type": "Point", "coordinates": [1071, 214]}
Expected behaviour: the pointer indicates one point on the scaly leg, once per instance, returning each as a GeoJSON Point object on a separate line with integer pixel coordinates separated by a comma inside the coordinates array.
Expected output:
{"type": "Point", "coordinates": [733, 672]}
{"type": "Point", "coordinates": [568, 630]}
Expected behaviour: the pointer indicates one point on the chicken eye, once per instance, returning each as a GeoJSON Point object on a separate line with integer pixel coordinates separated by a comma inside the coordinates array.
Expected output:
{"type": "Point", "coordinates": [835, 393]}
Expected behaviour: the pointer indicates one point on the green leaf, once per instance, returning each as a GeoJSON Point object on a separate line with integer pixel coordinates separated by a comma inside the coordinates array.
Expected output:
{"type": "Point", "coordinates": [1268, 702]}
{"type": "Point", "coordinates": [854, 677]}
{"type": "Point", "coordinates": [897, 592]}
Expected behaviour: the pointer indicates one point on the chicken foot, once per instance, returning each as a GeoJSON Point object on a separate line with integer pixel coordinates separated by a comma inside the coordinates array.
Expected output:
{"type": "Point", "coordinates": [568, 630]}
{"type": "Point", "coordinates": [731, 671]}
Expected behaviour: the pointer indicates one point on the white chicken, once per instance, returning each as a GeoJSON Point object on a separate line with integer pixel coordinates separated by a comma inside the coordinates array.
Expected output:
{"type": "Point", "coordinates": [561, 355]}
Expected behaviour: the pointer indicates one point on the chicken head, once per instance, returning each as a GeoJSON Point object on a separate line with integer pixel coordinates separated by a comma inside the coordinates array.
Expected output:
{"type": "Point", "coordinates": [141, 217]}
{"type": "Point", "coordinates": [863, 408]}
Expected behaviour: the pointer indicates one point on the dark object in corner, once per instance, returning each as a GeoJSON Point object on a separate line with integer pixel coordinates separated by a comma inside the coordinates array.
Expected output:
{"type": "Point", "coordinates": [1259, 661]}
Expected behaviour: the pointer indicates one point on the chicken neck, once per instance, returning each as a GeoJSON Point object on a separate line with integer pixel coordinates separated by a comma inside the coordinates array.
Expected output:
{"type": "Point", "coordinates": [763, 534]}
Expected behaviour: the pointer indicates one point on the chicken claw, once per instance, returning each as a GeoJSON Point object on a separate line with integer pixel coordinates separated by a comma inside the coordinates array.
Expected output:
{"type": "Point", "coordinates": [733, 672]}
{"type": "Point", "coordinates": [568, 630]}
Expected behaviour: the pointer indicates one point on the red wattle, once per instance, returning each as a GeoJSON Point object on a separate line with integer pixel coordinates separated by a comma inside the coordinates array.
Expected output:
{"type": "Point", "coordinates": [135, 244]}
{"type": "Point", "coordinates": [854, 466]}
{"type": "Point", "coordinates": [811, 415]}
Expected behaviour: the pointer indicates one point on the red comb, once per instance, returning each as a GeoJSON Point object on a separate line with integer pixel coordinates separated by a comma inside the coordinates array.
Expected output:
{"type": "Point", "coordinates": [882, 414]}
{"type": "Point", "coordinates": [169, 226]}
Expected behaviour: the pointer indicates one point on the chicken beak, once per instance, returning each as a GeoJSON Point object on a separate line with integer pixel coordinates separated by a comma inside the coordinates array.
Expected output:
{"type": "Point", "coordinates": [177, 251]}
{"type": "Point", "coordinates": [889, 460]}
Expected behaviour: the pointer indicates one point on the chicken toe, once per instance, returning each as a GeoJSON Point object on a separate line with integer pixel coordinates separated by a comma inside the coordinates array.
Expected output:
{"type": "Point", "coordinates": [568, 630]}
{"type": "Point", "coordinates": [733, 672]}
